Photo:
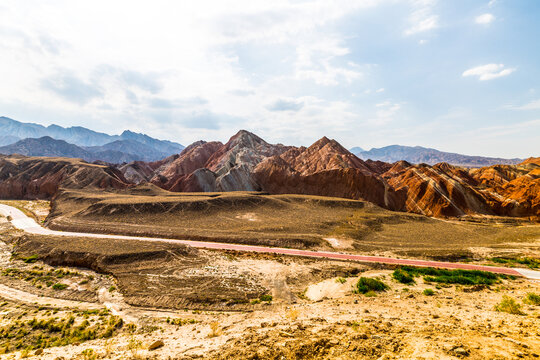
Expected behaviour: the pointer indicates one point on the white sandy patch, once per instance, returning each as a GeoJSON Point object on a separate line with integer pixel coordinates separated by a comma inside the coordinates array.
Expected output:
{"type": "Point", "coordinates": [339, 243]}
{"type": "Point", "coordinates": [329, 289]}
{"type": "Point", "coordinates": [247, 216]}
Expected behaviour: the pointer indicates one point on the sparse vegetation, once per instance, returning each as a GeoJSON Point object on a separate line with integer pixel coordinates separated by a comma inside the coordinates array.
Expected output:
{"type": "Point", "coordinates": [31, 259]}
{"type": "Point", "coordinates": [59, 286]}
{"type": "Point", "coordinates": [370, 293]}
{"type": "Point", "coordinates": [39, 277]}
{"type": "Point", "coordinates": [443, 276]}
{"type": "Point", "coordinates": [214, 329]}
{"type": "Point", "coordinates": [365, 285]}
{"type": "Point", "coordinates": [39, 333]}
{"type": "Point", "coordinates": [403, 276]}
{"type": "Point", "coordinates": [428, 292]}
{"type": "Point", "coordinates": [341, 280]}
{"type": "Point", "coordinates": [134, 346]}
{"type": "Point", "coordinates": [266, 297]}
{"type": "Point", "coordinates": [532, 299]}
{"type": "Point", "coordinates": [528, 261]}
{"type": "Point", "coordinates": [509, 305]}
{"type": "Point", "coordinates": [180, 322]}
{"type": "Point", "coordinates": [89, 354]}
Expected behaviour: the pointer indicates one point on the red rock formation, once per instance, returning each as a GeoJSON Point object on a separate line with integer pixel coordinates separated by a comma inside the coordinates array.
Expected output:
{"type": "Point", "coordinates": [440, 190]}
{"type": "Point", "coordinates": [247, 162]}
{"type": "Point", "coordinates": [325, 168]}
{"type": "Point", "coordinates": [39, 178]}
{"type": "Point", "coordinates": [194, 157]}
{"type": "Point", "coordinates": [218, 167]}
{"type": "Point", "coordinates": [512, 190]}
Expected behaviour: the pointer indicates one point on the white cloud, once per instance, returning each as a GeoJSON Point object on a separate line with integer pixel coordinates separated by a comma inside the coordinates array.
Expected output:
{"type": "Point", "coordinates": [314, 61]}
{"type": "Point", "coordinates": [484, 19]}
{"type": "Point", "coordinates": [489, 71]}
{"type": "Point", "coordinates": [533, 105]}
{"type": "Point", "coordinates": [135, 71]}
{"type": "Point", "coordinates": [380, 90]}
{"type": "Point", "coordinates": [422, 18]}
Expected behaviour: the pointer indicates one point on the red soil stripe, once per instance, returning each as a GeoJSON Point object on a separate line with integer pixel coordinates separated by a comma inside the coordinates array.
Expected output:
{"type": "Point", "coordinates": [360, 258]}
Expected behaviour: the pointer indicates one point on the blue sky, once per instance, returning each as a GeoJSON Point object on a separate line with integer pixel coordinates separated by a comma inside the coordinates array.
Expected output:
{"type": "Point", "coordinates": [458, 75]}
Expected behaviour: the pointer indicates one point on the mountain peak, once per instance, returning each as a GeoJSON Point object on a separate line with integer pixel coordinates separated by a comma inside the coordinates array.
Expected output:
{"type": "Point", "coordinates": [245, 138]}
{"type": "Point", "coordinates": [331, 143]}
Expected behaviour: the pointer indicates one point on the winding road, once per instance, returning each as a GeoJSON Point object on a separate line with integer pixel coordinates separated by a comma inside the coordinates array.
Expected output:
{"type": "Point", "coordinates": [20, 221]}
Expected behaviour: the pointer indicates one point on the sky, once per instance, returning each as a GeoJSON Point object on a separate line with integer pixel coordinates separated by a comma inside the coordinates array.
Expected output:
{"type": "Point", "coordinates": [460, 76]}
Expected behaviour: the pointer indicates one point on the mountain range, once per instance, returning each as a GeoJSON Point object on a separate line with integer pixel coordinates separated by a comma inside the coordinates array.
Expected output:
{"type": "Point", "coordinates": [248, 163]}
{"type": "Point", "coordinates": [419, 155]}
{"type": "Point", "coordinates": [53, 140]}
{"type": "Point", "coordinates": [37, 140]}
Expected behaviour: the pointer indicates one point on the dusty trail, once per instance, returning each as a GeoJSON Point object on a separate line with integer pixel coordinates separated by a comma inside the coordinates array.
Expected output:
{"type": "Point", "coordinates": [23, 222]}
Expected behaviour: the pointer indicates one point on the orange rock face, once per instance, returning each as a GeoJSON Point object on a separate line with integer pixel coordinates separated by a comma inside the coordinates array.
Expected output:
{"type": "Point", "coordinates": [328, 169]}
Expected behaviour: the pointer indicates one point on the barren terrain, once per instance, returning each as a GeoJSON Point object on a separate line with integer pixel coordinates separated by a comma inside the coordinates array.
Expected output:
{"type": "Point", "coordinates": [297, 221]}
{"type": "Point", "coordinates": [230, 305]}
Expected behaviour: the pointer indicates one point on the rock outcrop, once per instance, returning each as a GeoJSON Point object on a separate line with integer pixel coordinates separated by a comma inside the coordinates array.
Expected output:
{"type": "Point", "coordinates": [325, 168]}
{"type": "Point", "coordinates": [213, 166]}
{"type": "Point", "coordinates": [40, 178]}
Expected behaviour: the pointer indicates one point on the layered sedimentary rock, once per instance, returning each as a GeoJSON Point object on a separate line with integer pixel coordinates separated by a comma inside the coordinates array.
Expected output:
{"type": "Point", "coordinates": [512, 190]}
{"type": "Point", "coordinates": [440, 190]}
{"type": "Point", "coordinates": [172, 175]}
{"type": "Point", "coordinates": [40, 178]}
{"type": "Point", "coordinates": [326, 168]}
{"type": "Point", "coordinates": [214, 166]}
{"type": "Point", "coordinates": [248, 163]}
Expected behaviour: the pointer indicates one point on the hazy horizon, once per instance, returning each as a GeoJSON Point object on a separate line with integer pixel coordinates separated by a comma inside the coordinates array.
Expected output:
{"type": "Point", "coordinates": [457, 76]}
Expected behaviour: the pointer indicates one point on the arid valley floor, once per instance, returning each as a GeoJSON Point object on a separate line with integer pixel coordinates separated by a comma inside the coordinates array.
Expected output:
{"type": "Point", "coordinates": [117, 299]}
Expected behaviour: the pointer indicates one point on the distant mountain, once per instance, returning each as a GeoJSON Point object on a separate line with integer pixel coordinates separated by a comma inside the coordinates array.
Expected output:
{"type": "Point", "coordinates": [163, 146]}
{"type": "Point", "coordinates": [13, 130]}
{"type": "Point", "coordinates": [356, 150]}
{"type": "Point", "coordinates": [135, 149]}
{"type": "Point", "coordinates": [47, 146]}
{"type": "Point", "coordinates": [44, 146]}
{"type": "Point", "coordinates": [419, 155]}
{"type": "Point", "coordinates": [8, 139]}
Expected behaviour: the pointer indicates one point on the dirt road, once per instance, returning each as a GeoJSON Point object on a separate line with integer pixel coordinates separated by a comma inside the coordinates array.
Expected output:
{"type": "Point", "coordinates": [23, 222]}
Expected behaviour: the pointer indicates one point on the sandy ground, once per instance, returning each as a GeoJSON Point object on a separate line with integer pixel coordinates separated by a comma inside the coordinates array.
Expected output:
{"type": "Point", "coordinates": [315, 317]}
{"type": "Point", "coordinates": [400, 323]}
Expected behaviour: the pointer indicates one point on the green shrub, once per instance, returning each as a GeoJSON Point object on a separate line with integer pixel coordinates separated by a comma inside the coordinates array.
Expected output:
{"type": "Point", "coordinates": [532, 299]}
{"type": "Point", "coordinates": [530, 262]}
{"type": "Point", "coordinates": [509, 305]}
{"type": "Point", "coordinates": [463, 277]}
{"type": "Point", "coordinates": [428, 292]}
{"type": "Point", "coordinates": [265, 297]}
{"type": "Point", "coordinates": [365, 285]}
{"type": "Point", "coordinates": [341, 280]}
{"type": "Point", "coordinates": [59, 286]}
{"type": "Point", "coordinates": [31, 259]}
{"type": "Point", "coordinates": [89, 354]}
{"type": "Point", "coordinates": [403, 276]}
